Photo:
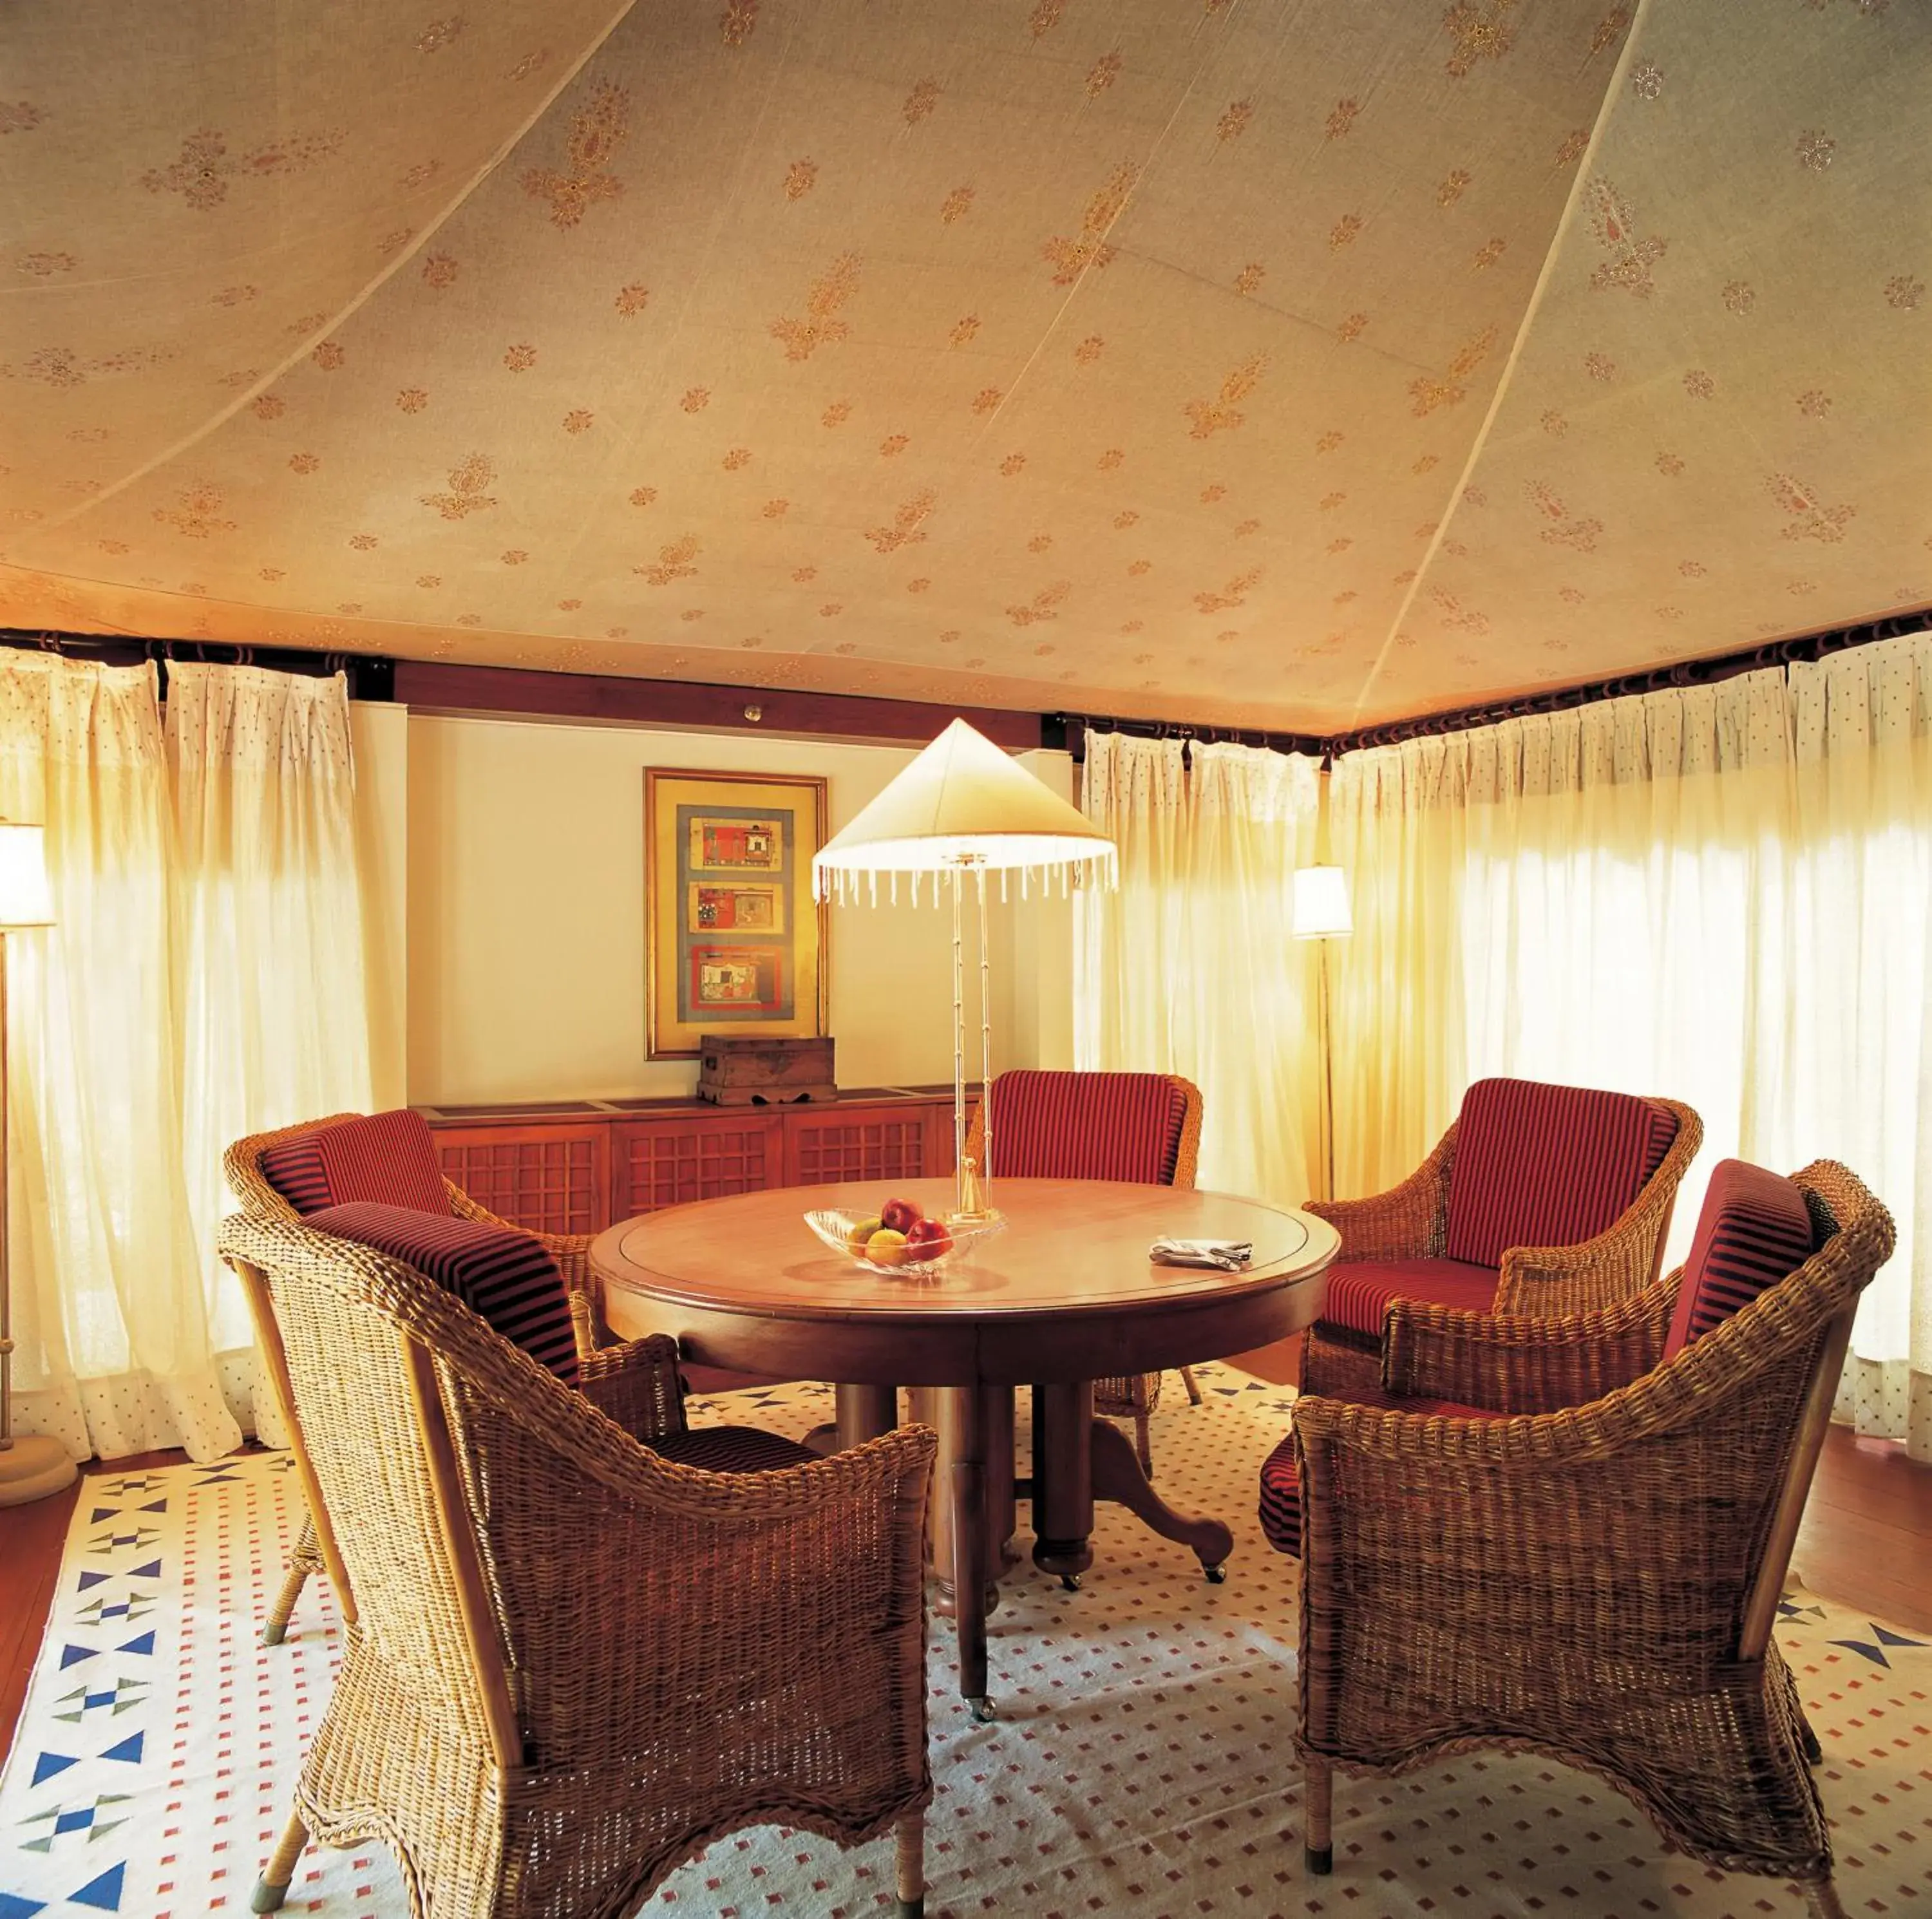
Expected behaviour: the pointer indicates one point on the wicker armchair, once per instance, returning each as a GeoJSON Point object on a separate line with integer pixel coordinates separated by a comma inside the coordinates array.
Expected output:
{"type": "Point", "coordinates": [637, 1383]}
{"type": "Point", "coordinates": [1596, 1584]}
{"type": "Point", "coordinates": [576, 1663]}
{"type": "Point", "coordinates": [1412, 1230]}
{"type": "Point", "coordinates": [1030, 1140]}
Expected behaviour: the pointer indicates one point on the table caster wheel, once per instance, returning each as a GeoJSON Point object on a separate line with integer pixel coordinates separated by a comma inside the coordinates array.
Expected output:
{"type": "Point", "coordinates": [1070, 1581]}
{"type": "Point", "coordinates": [981, 1710]}
{"type": "Point", "coordinates": [1215, 1575]}
{"type": "Point", "coordinates": [1320, 1860]}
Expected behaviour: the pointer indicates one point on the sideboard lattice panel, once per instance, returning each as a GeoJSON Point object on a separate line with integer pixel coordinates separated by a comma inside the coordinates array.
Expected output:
{"type": "Point", "coordinates": [667, 1168]}
{"type": "Point", "coordinates": [548, 1185]}
{"type": "Point", "coordinates": [865, 1149]}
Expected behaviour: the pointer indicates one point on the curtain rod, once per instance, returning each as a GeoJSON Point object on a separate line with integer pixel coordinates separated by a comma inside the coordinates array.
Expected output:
{"type": "Point", "coordinates": [371, 676]}
{"type": "Point", "coordinates": [1800, 647]}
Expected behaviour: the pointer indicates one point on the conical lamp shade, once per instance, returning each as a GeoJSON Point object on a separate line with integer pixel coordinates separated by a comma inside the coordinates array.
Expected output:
{"type": "Point", "coordinates": [963, 801]}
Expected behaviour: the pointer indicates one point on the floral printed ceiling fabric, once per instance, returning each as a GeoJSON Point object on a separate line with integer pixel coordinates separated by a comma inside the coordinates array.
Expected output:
{"type": "Point", "coordinates": [1282, 361]}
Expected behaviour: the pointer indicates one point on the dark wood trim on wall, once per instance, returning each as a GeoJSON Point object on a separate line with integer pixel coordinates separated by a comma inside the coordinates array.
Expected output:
{"type": "Point", "coordinates": [445, 686]}
{"type": "Point", "coordinates": [675, 703]}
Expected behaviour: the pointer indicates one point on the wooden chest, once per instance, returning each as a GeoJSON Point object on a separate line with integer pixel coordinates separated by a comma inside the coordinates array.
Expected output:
{"type": "Point", "coordinates": [738, 1070]}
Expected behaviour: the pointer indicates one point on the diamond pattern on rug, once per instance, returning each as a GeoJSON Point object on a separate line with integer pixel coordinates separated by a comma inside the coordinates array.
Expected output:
{"type": "Point", "coordinates": [1141, 1766]}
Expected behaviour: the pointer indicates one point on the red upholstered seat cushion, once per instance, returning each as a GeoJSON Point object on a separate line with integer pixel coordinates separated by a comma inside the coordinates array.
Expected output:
{"type": "Point", "coordinates": [732, 1449]}
{"type": "Point", "coordinates": [506, 1277]}
{"type": "Point", "coordinates": [1541, 1166]}
{"type": "Point", "coordinates": [1360, 1290]}
{"type": "Point", "coordinates": [1754, 1230]}
{"type": "Point", "coordinates": [1087, 1126]}
{"type": "Point", "coordinates": [387, 1158]}
{"type": "Point", "coordinates": [1281, 1486]}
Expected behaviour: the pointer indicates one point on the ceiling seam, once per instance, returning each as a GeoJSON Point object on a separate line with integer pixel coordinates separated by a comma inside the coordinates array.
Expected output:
{"type": "Point", "coordinates": [403, 256]}
{"type": "Point", "coordinates": [1605, 113]}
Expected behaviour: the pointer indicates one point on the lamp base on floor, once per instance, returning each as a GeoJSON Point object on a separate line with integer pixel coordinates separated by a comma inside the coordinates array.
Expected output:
{"type": "Point", "coordinates": [33, 1467]}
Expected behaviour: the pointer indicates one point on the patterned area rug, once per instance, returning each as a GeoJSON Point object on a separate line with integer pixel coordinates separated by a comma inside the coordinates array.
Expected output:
{"type": "Point", "coordinates": [1141, 1766]}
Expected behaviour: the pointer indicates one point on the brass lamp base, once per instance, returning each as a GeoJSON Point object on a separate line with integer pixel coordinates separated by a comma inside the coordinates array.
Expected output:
{"type": "Point", "coordinates": [33, 1467]}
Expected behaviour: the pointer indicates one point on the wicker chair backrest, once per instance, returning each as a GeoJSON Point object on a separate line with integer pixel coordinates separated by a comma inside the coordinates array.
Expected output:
{"type": "Point", "coordinates": [341, 1312]}
{"type": "Point", "coordinates": [567, 1519]}
{"type": "Point", "coordinates": [241, 1164]}
{"type": "Point", "coordinates": [1740, 1393]}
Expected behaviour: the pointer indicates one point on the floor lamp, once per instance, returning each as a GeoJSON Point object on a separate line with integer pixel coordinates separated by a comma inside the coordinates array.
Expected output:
{"type": "Point", "coordinates": [964, 810]}
{"type": "Point", "coordinates": [1320, 912]}
{"type": "Point", "coordinates": [32, 1465]}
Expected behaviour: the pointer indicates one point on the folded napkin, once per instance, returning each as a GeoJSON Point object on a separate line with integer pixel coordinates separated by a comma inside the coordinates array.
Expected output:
{"type": "Point", "coordinates": [1228, 1255]}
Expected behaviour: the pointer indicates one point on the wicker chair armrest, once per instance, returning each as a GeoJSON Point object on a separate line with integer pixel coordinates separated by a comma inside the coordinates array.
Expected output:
{"type": "Point", "coordinates": [1408, 1221]}
{"type": "Point", "coordinates": [736, 1596]}
{"type": "Point", "coordinates": [636, 1383]}
{"type": "Point", "coordinates": [1523, 1365]}
{"type": "Point", "coordinates": [1545, 1281]}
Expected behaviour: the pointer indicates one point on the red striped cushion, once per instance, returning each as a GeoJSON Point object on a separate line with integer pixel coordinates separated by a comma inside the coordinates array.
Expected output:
{"type": "Point", "coordinates": [1359, 1291]}
{"type": "Point", "coordinates": [732, 1449]}
{"type": "Point", "coordinates": [1657, 1142]}
{"type": "Point", "coordinates": [1280, 1505]}
{"type": "Point", "coordinates": [1541, 1166]}
{"type": "Point", "coordinates": [295, 1170]}
{"type": "Point", "coordinates": [506, 1277]}
{"type": "Point", "coordinates": [389, 1158]}
{"type": "Point", "coordinates": [1281, 1500]}
{"type": "Point", "coordinates": [1754, 1230]}
{"type": "Point", "coordinates": [1087, 1126]}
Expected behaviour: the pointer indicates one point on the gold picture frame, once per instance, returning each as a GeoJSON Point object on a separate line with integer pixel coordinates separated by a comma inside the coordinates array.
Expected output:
{"type": "Point", "coordinates": [733, 942]}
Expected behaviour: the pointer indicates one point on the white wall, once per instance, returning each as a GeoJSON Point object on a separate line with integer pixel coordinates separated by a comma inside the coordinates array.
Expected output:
{"type": "Point", "coordinates": [526, 918]}
{"type": "Point", "coordinates": [379, 735]}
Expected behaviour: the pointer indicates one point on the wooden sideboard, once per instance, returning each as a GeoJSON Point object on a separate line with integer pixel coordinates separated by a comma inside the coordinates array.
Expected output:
{"type": "Point", "coordinates": [579, 1165]}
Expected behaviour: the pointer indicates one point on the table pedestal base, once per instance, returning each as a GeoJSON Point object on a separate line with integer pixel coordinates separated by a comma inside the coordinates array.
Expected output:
{"type": "Point", "coordinates": [1117, 1476]}
{"type": "Point", "coordinates": [1077, 1459]}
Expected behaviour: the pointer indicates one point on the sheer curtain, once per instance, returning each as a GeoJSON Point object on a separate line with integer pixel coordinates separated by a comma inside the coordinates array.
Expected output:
{"type": "Point", "coordinates": [146, 1019]}
{"type": "Point", "coordinates": [1191, 968]}
{"type": "Point", "coordinates": [271, 1003]}
{"type": "Point", "coordinates": [114, 1355]}
{"type": "Point", "coordinates": [1718, 893]}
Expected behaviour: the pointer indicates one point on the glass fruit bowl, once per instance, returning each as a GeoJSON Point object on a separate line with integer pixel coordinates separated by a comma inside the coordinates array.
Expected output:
{"type": "Point", "coordinates": [835, 1229]}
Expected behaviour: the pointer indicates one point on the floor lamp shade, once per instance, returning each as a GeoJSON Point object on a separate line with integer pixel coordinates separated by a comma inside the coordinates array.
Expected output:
{"type": "Point", "coordinates": [964, 808]}
{"type": "Point", "coordinates": [33, 1466]}
{"type": "Point", "coordinates": [1320, 903]}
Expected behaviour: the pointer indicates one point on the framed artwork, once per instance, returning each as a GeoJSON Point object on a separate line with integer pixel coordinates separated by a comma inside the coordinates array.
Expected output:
{"type": "Point", "coordinates": [733, 941]}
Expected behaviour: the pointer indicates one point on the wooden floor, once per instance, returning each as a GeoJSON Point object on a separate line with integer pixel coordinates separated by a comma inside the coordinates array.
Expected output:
{"type": "Point", "coordinates": [1866, 1541]}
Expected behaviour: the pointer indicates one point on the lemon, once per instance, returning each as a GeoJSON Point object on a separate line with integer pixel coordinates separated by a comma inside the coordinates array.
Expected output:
{"type": "Point", "coordinates": [886, 1248]}
{"type": "Point", "coordinates": [857, 1238]}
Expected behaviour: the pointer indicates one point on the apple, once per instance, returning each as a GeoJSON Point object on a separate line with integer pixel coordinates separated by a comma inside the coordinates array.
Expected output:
{"type": "Point", "coordinates": [927, 1239]}
{"type": "Point", "coordinates": [886, 1247]}
{"type": "Point", "coordinates": [899, 1214]}
{"type": "Point", "coordinates": [856, 1237]}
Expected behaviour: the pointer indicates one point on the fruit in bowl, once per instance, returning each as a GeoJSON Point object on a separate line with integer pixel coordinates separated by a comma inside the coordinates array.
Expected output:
{"type": "Point", "coordinates": [900, 1215]}
{"type": "Point", "coordinates": [919, 1248]}
{"type": "Point", "coordinates": [927, 1239]}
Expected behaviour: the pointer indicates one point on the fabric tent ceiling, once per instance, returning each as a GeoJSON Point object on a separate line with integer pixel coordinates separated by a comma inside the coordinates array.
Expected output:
{"type": "Point", "coordinates": [1303, 364]}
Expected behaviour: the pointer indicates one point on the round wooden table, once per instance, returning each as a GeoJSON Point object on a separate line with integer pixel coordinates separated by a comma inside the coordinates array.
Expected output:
{"type": "Point", "coordinates": [1065, 1296]}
